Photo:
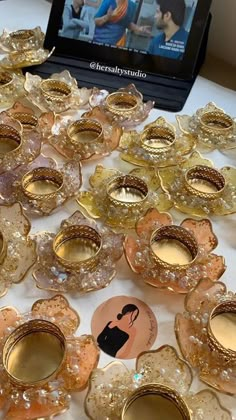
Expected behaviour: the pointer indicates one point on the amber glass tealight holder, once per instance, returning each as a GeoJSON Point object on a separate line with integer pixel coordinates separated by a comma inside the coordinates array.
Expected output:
{"type": "Point", "coordinates": [212, 127]}
{"type": "Point", "coordinates": [125, 106]}
{"type": "Point", "coordinates": [42, 185]}
{"type": "Point", "coordinates": [80, 257]}
{"type": "Point", "coordinates": [170, 257]}
{"type": "Point", "coordinates": [22, 40]}
{"type": "Point", "coordinates": [206, 334]}
{"type": "Point", "coordinates": [158, 388]}
{"type": "Point", "coordinates": [93, 136]}
{"type": "Point", "coordinates": [17, 147]}
{"type": "Point", "coordinates": [58, 93]}
{"type": "Point", "coordinates": [160, 145]}
{"type": "Point", "coordinates": [120, 199]}
{"type": "Point", "coordinates": [196, 187]}
{"type": "Point", "coordinates": [41, 359]}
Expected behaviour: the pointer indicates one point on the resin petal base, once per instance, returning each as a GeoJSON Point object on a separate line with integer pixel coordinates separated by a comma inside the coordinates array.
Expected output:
{"type": "Point", "coordinates": [110, 198]}
{"type": "Point", "coordinates": [209, 191]}
{"type": "Point", "coordinates": [192, 334]}
{"type": "Point", "coordinates": [112, 388]}
{"type": "Point", "coordinates": [20, 399]}
{"type": "Point", "coordinates": [159, 144]}
{"type": "Point", "coordinates": [211, 126]}
{"type": "Point", "coordinates": [173, 277]}
{"type": "Point", "coordinates": [86, 149]}
{"type": "Point", "coordinates": [128, 118]}
{"type": "Point", "coordinates": [50, 274]}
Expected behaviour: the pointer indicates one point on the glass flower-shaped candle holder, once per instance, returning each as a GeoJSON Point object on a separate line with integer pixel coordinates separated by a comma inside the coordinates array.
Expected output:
{"type": "Point", "coordinates": [21, 40]}
{"type": "Point", "coordinates": [211, 126]}
{"type": "Point", "coordinates": [58, 93]}
{"type": "Point", "coordinates": [206, 334]}
{"type": "Point", "coordinates": [11, 87]}
{"type": "Point", "coordinates": [120, 199]}
{"type": "Point", "coordinates": [160, 384]}
{"type": "Point", "coordinates": [17, 249]}
{"type": "Point", "coordinates": [41, 359]}
{"type": "Point", "coordinates": [80, 257]}
{"type": "Point", "coordinates": [170, 257]}
{"type": "Point", "coordinates": [197, 188]}
{"type": "Point", "coordinates": [90, 137]}
{"type": "Point", "coordinates": [125, 106]}
{"type": "Point", "coordinates": [160, 144]}
{"type": "Point", "coordinates": [17, 147]}
{"type": "Point", "coordinates": [32, 119]}
{"type": "Point", "coordinates": [16, 60]}
{"type": "Point", "coordinates": [41, 186]}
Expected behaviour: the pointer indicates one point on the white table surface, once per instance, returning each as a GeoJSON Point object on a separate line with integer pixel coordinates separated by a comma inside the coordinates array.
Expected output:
{"type": "Point", "coordinates": [19, 14]}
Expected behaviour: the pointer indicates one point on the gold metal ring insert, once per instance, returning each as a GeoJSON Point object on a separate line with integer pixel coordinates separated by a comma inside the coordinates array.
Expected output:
{"type": "Point", "coordinates": [42, 183]}
{"type": "Point", "coordinates": [22, 35]}
{"type": "Point", "coordinates": [121, 103]}
{"type": "Point", "coordinates": [222, 330]}
{"type": "Point", "coordinates": [55, 90]}
{"type": "Point", "coordinates": [85, 131]}
{"type": "Point", "coordinates": [157, 140]}
{"type": "Point", "coordinates": [204, 182]}
{"type": "Point", "coordinates": [28, 121]}
{"type": "Point", "coordinates": [77, 246]}
{"type": "Point", "coordinates": [127, 191]}
{"type": "Point", "coordinates": [150, 399]}
{"type": "Point", "coordinates": [173, 247]}
{"type": "Point", "coordinates": [216, 122]}
{"type": "Point", "coordinates": [34, 353]}
{"type": "Point", "coordinates": [10, 139]}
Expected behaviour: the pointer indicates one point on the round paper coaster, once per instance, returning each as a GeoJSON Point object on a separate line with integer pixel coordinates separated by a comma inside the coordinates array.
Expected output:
{"type": "Point", "coordinates": [124, 327]}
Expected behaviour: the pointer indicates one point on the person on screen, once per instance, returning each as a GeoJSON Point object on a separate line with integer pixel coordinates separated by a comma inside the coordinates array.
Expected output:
{"type": "Point", "coordinates": [112, 20]}
{"type": "Point", "coordinates": [119, 332]}
{"type": "Point", "coordinates": [73, 19]}
{"type": "Point", "coordinates": [89, 11]}
{"type": "Point", "coordinates": [171, 42]}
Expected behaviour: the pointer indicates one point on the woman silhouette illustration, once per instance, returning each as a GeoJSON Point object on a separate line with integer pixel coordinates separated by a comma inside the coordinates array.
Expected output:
{"type": "Point", "coordinates": [119, 332]}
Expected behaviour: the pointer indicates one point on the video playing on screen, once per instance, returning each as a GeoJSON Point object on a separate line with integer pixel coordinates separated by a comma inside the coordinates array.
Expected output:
{"type": "Point", "coordinates": [156, 27]}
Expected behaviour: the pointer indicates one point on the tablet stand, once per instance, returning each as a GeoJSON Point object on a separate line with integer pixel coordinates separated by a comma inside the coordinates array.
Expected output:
{"type": "Point", "coordinates": [169, 93]}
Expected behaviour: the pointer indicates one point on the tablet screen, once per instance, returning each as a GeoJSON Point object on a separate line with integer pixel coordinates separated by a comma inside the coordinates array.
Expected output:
{"type": "Point", "coordinates": [156, 27]}
{"type": "Point", "coordinates": [153, 36]}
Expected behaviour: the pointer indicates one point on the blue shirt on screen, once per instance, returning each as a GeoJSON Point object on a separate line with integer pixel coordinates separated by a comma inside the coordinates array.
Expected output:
{"type": "Point", "coordinates": [112, 32]}
{"type": "Point", "coordinates": [173, 48]}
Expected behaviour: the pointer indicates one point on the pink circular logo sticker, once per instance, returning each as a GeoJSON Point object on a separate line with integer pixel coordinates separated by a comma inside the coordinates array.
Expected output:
{"type": "Point", "coordinates": [124, 327]}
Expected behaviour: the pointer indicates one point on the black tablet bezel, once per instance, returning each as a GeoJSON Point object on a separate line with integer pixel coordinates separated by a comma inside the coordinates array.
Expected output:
{"type": "Point", "coordinates": [150, 64]}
